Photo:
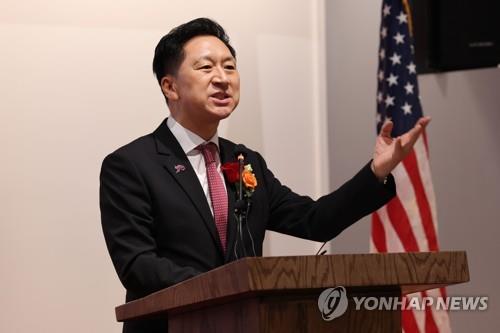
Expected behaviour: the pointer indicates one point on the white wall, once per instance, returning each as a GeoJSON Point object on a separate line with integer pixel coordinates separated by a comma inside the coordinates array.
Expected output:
{"type": "Point", "coordinates": [464, 148]}
{"type": "Point", "coordinates": [76, 84]}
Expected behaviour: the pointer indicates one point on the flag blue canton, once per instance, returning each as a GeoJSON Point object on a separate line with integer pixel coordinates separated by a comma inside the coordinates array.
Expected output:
{"type": "Point", "coordinates": [397, 90]}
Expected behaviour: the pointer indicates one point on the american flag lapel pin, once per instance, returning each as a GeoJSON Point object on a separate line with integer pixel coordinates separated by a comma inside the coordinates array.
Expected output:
{"type": "Point", "coordinates": [179, 168]}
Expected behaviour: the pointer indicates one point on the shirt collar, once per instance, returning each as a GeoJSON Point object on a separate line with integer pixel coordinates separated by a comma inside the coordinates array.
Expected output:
{"type": "Point", "coordinates": [187, 139]}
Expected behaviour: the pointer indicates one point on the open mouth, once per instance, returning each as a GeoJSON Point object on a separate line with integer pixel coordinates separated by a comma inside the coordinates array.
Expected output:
{"type": "Point", "coordinates": [221, 98]}
{"type": "Point", "coordinates": [220, 95]}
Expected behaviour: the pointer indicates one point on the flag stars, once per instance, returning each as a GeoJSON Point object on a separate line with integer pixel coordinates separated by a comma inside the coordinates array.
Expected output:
{"type": "Point", "coordinates": [383, 32]}
{"type": "Point", "coordinates": [406, 108]}
{"type": "Point", "coordinates": [395, 59]}
{"type": "Point", "coordinates": [399, 38]}
{"type": "Point", "coordinates": [380, 97]}
{"type": "Point", "coordinates": [412, 69]}
{"type": "Point", "coordinates": [402, 18]}
{"type": "Point", "coordinates": [381, 75]}
{"type": "Point", "coordinates": [378, 118]}
{"type": "Point", "coordinates": [389, 101]}
{"type": "Point", "coordinates": [392, 80]}
{"type": "Point", "coordinates": [382, 54]}
{"type": "Point", "coordinates": [387, 10]}
{"type": "Point", "coordinates": [409, 88]}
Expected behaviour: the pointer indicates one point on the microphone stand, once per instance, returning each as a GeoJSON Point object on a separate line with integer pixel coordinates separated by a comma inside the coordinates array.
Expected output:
{"type": "Point", "coordinates": [240, 205]}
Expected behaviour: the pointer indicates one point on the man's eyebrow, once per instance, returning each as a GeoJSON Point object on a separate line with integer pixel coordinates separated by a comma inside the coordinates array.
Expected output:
{"type": "Point", "coordinates": [209, 58]}
{"type": "Point", "coordinates": [229, 58]}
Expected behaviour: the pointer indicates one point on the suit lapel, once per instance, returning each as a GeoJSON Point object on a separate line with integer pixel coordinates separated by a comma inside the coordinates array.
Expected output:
{"type": "Point", "coordinates": [177, 164]}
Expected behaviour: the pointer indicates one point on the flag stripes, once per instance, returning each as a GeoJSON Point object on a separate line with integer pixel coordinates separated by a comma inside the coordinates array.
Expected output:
{"type": "Point", "coordinates": [409, 221]}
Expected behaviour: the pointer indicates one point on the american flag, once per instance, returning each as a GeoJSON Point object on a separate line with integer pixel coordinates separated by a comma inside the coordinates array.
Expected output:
{"type": "Point", "coordinates": [408, 223]}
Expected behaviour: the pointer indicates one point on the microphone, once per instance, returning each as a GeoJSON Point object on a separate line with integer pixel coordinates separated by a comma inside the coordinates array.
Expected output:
{"type": "Point", "coordinates": [240, 150]}
{"type": "Point", "coordinates": [241, 165]}
{"type": "Point", "coordinates": [240, 153]}
{"type": "Point", "coordinates": [320, 253]}
{"type": "Point", "coordinates": [241, 205]}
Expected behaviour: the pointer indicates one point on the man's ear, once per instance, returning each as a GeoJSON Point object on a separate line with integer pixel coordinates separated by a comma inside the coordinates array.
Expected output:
{"type": "Point", "coordinates": [169, 88]}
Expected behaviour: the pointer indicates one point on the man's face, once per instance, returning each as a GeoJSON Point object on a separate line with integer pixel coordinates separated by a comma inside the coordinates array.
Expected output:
{"type": "Point", "coordinates": [207, 83]}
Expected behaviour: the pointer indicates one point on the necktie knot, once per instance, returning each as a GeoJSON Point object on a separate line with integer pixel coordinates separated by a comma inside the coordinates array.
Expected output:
{"type": "Point", "coordinates": [209, 150]}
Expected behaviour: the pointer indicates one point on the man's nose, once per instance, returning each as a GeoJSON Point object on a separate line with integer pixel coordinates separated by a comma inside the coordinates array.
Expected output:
{"type": "Point", "coordinates": [220, 76]}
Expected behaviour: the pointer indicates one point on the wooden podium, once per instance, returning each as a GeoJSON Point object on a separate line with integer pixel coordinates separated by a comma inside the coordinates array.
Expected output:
{"type": "Point", "coordinates": [280, 294]}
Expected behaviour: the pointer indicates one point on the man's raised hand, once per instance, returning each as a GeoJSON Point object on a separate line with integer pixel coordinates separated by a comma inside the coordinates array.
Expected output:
{"type": "Point", "coordinates": [390, 151]}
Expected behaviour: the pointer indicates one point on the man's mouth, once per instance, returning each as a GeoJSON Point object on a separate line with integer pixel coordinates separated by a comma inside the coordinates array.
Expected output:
{"type": "Point", "coordinates": [221, 98]}
{"type": "Point", "coordinates": [220, 95]}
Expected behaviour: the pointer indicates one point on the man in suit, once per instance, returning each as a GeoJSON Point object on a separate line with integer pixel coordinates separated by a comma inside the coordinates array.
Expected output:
{"type": "Point", "coordinates": [167, 208]}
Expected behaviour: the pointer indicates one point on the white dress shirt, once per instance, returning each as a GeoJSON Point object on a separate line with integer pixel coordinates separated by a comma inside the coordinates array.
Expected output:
{"type": "Point", "coordinates": [189, 141]}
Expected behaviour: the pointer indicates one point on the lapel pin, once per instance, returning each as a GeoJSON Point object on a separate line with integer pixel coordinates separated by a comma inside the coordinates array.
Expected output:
{"type": "Point", "coordinates": [179, 168]}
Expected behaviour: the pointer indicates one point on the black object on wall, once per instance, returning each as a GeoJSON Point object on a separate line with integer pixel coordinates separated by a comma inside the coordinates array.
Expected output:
{"type": "Point", "coordinates": [456, 34]}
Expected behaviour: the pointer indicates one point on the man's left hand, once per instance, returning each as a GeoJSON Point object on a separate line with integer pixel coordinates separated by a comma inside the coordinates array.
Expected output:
{"type": "Point", "coordinates": [390, 151]}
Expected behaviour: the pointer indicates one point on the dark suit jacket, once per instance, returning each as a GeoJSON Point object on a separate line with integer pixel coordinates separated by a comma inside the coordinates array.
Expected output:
{"type": "Point", "coordinates": [159, 229]}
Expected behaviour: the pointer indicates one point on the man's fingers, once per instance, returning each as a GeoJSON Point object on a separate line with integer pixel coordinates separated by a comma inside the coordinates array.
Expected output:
{"type": "Point", "coordinates": [398, 147]}
{"type": "Point", "coordinates": [386, 129]}
{"type": "Point", "coordinates": [412, 135]}
{"type": "Point", "coordinates": [424, 121]}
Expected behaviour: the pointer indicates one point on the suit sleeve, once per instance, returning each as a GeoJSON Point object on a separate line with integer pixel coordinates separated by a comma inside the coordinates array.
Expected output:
{"type": "Point", "coordinates": [127, 221]}
{"type": "Point", "coordinates": [323, 219]}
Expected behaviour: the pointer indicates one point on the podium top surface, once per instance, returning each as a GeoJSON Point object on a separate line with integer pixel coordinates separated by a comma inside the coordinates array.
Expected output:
{"type": "Point", "coordinates": [411, 272]}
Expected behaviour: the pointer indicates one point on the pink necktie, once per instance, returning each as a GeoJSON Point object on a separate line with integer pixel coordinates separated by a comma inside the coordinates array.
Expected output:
{"type": "Point", "coordinates": [217, 191]}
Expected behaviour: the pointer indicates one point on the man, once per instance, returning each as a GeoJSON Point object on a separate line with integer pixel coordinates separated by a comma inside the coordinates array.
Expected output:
{"type": "Point", "coordinates": [167, 208]}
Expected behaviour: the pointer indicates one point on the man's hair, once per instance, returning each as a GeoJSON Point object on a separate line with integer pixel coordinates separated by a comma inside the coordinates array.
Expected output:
{"type": "Point", "coordinates": [169, 52]}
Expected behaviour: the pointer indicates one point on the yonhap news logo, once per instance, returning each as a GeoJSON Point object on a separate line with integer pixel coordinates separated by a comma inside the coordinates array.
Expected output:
{"type": "Point", "coordinates": [332, 303]}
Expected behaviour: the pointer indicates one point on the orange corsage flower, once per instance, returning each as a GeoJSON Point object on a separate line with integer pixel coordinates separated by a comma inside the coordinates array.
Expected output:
{"type": "Point", "coordinates": [249, 179]}
{"type": "Point", "coordinates": [231, 171]}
